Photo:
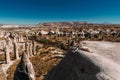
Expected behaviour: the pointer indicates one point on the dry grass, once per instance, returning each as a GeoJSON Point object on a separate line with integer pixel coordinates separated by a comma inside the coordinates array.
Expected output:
{"type": "Point", "coordinates": [2, 57]}
{"type": "Point", "coordinates": [42, 63]}
{"type": "Point", "coordinates": [11, 70]}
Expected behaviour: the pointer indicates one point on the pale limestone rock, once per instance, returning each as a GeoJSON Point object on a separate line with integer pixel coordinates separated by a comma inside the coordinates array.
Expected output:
{"type": "Point", "coordinates": [34, 47]}
{"type": "Point", "coordinates": [24, 70]}
{"type": "Point", "coordinates": [16, 54]}
{"type": "Point", "coordinates": [30, 49]}
{"type": "Point", "coordinates": [27, 49]}
{"type": "Point", "coordinates": [7, 54]}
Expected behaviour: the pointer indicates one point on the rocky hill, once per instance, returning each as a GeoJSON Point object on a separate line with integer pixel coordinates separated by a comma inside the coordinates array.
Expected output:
{"type": "Point", "coordinates": [80, 65]}
{"type": "Point", "coordinates": [65, 24]}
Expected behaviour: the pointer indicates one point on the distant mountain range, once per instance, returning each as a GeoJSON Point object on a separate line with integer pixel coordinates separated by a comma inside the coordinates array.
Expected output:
{"type": "Point", "coordinates": [62, 23]}
{"type": "Point", "coordinates": [13, 26]}
{"type": "Point", "coordinates": [57, 24]}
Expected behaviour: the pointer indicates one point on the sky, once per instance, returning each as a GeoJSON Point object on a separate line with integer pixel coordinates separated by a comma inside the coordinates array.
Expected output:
{"type": "Point", "coordinates": [37, 11]}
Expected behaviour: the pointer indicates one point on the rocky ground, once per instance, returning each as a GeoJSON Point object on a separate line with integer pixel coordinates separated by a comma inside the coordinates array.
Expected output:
{"type": "Point", "coordinates": [82, 65]}
{"type": "Point", "coordinates": [105, 55]}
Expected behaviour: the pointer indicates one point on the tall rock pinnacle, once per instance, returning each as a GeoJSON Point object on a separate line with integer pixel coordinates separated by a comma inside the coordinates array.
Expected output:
{"type": "Point", "coordinates": [24, 70]}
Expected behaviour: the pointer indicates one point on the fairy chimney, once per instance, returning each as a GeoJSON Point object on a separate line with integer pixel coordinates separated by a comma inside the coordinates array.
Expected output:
{"type": "Point", "coordinates": [30, 49]}
{"type": "Point", "coordinates": [7, 54]}
{"type": "Point", "coordinates": [27, 49]}
{"type": "Point", "coordinates": [34, 47]}
{"type": "Point", "coordinates": [24, 70]}
{"type": "Point", "coordinates": [16, 55]}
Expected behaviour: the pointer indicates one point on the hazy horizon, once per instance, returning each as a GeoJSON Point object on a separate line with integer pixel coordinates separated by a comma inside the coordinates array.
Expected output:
{"type": "Point", "coordinates": [56, 22]}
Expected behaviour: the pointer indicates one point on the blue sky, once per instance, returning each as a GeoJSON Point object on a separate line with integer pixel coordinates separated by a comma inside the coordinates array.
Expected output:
{"type": "Point", "coordinates": [35, 11]}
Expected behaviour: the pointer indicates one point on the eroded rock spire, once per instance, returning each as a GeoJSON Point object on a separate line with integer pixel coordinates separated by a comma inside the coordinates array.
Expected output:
{"type": "Point", "coordinates": [24, 70]}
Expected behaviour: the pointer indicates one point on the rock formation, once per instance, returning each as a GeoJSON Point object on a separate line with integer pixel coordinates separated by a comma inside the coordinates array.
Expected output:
{"type": "Point", "coordinates": [27, 49]}
{"type": "Point", "coordinates": [24, 70]}
{"type": "Point", "coordinates": [73, 67]}
{"type": "Point", "coordinates": [20, 38]}
{"type": "Point", "coordinates": [79, 65]}
{"type": "Point", "coordinates": [30, 49]}
{"type": "Point", "coordinates": [7, 54]}
{"type": "Point", "coordinates": [34, 47]}
{"type": "Point", "coordinates": [79, 46]}
{"type": "Point", "coordinates": [16, 55]}
{"type": "Point", "coordinates": [8, 41]}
